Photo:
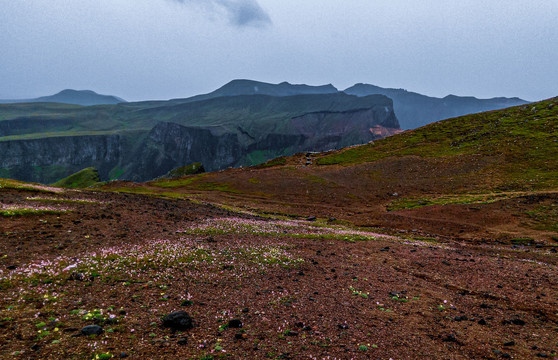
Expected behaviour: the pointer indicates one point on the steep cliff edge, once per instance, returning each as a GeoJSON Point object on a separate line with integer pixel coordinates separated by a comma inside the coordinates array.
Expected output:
{"type": "Point", "coordinates": [50, 159]}
{"type": "Point", "coordinates": [139, 141]}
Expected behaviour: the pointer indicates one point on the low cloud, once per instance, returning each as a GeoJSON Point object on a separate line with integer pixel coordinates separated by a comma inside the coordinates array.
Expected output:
{"type": "Point", "coordinates": [241, 13]}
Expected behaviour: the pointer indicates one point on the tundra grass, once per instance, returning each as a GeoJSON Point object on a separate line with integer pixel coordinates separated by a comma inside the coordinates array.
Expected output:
{"type": "Point", "coordinates": [524, 138]}
{"type": "Point", "coordinates": [417, 202]}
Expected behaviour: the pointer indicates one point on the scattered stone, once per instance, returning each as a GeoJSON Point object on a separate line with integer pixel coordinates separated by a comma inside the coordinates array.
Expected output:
{"type": "Point", "coordinates": [123, 355]}
{"type": "Point", "coordinates": [178, 320]}
{"type": "Point", "coordinates": [245, 310]}
{"type": "Point", "coordinates": [460, 318]}
{"type": "Point", "coordinates": [311, 218]}
{"type": "Point", "coordinates": [482, 322]}
{"type": "Point", "coordinates": [235, 324]}
{"type": "Point", "coordinates": [36, 347]}
{"type": "Point", "coordinates": [542, 355]}
{"type": "Point", "coordinates": [11, 267]}
{"type": "Point", "coordinates": [343, 326]}
{"type": "Point", "coordinates": [291, 333]}
{"type": "Point", "coordinates": [449, 338]}
{"type": "Point", "coordinates": [506, 356]}
{"type": "Point", "coordinates": [92, 330]}
{"type": "Point", "coordinates": [385, 249]}
{"type": "Point", "coordinates": [509, 343]}
{"type": "Point", "coordinates": [240, 336]}
{"type": "Point", "coordinates": [182, 341]}
{"type": "Point", "coordinates": [77, 276]}
{"type": "Point", "coordinates": [516, 321]}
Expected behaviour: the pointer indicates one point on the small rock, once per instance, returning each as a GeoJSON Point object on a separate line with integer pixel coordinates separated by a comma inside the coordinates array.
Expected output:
{"type": "Point", "coordinates": [178, 320]}
{"type": "Point", "coordinates": [36, 347]}
{"type": "Point", "coordinates": [92, 330]}
{"type": "Point", "coordinates": [517, 322]}
{"type": "Point", "coordinates": [182, 341]}
{"type": "Point", "coordinates": [482, 322]}
{"type": "Point", "coordinates": [235, 324]}
{"type": "Point", "coordinates": [343, 326]}
{"type": "Point", "coordinates": [240, 336]}
{"type": "Point", "coordinates": [311, 218]}
{"type": "Point", "coordinates": [449, 338]}
{"type": "Point", "coordinates": [11, 267]}
{"type": "Point", "coordinates": [509, 343]}
{"type": "Point", "coordinates": [245, 310]}
{"type": "Point", "coordinates": [506, 356]}
{"type": "Point", "coordinates": [291, 333]}
{"type": "Point", "coordinates": [77, 276]}
{"type": "Point", "coordinates": [385, 249]}
{"type": "Point", "coordinates": [542, 355]}
{"type": "Point", "coordinates": [123, 355]}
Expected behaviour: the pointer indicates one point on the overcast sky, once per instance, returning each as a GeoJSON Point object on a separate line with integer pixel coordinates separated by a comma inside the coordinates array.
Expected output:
{"type": "Point", "coordinates": [160, 49]}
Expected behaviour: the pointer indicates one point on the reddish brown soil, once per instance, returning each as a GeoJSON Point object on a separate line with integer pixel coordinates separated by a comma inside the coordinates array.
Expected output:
{"type": "Point", "coordinates": [463, 299]}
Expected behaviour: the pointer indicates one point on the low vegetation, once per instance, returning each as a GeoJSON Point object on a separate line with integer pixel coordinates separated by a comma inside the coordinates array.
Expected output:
{"type": "Point", "coordinates": [80, 180]}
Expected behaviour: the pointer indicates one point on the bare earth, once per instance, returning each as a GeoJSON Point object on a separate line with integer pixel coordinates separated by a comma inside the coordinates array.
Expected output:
{"type": "Point", "coordinates": [300, 289]}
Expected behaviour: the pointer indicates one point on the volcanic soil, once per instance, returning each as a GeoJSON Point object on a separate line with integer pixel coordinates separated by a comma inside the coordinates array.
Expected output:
{"type": "Point", "coordinates": [258, 287]}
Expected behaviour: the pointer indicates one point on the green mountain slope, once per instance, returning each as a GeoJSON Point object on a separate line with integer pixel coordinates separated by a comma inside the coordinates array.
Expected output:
{"type": "Point", "coordinates": [80, 180]}
{"type": "Point", "coordinates": [489, 177]}
{"type": "Point", "coordinates": [522, 143]}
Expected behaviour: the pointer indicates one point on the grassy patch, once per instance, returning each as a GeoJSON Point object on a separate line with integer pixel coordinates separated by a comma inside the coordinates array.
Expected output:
{"type": "Point", "coordinates": [545, 217]}
{"type": "Point", "coordinates": [417, 202]}
{"type": "Point", "coordinates": [182, 182]}
{"type": "Point", "coordinates": [524, 139]}
{"type": "Point", "coordinates": [522, 241]}
{"type": "Point", "coordinates": [192, 169]}
{"type": "Point", "coordinates": [212, 186]}
{"type": "Point", "coordinates": [20, 185]}
{"type": "Point", "coordinates": [28, 212]}
{"type": "Point", "coordinates": [273, 162]}
{"type": "Point", "coordinates": [80, 180]}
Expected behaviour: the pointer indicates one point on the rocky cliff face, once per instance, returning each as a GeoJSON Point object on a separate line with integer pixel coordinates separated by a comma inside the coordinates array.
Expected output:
{"type": "Point", "coordinates": [49, 159]}
{"type": "Point", "coordinates": [170, 145]}
{"type": "Point", "coordinates": [142, 155]}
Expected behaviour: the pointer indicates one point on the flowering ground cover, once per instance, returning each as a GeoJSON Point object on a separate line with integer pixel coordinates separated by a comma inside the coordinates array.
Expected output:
{"type": "Point", "coordinates": [96, 278]}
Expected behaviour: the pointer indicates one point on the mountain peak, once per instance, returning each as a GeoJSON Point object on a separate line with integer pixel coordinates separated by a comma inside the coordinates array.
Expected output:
{"type": "Point", "coordinates": [252, 87]}
{"type": "Point", "coordinates": [73, 97]}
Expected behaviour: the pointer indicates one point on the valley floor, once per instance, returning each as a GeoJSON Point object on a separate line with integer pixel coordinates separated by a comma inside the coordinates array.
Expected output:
{"type": "Point", "coordinates": [296, 289]}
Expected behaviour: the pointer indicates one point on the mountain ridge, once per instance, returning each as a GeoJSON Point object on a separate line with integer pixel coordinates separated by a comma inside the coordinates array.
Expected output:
{"type": "Point", "coordinates": [72, 97]}
{"type": "Point", "coordinates": [415, 110]}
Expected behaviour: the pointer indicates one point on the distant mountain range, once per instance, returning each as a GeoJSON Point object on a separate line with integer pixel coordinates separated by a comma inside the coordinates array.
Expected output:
{"type": "Point", "coordinates": [75, 97]}
{"type": "Point", "coordinates": [415, 110]}
{"type": "Point", "coordinates": [412, 109]}
{"type": "Point", "coordinates": [240, 124]}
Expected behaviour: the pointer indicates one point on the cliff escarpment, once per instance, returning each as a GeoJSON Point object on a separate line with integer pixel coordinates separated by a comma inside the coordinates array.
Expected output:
{"type": "Point", "coordinates": [49, 159]}
{"type": "Point", "coordinates": [142, 141]}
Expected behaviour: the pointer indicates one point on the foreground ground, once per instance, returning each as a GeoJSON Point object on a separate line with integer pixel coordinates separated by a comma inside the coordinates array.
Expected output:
{"type": "Point", "coordinates": [300, 289]}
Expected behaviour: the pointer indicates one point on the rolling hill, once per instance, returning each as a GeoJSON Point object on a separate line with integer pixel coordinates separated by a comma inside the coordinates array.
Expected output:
{"type": "Point", "coordinates": [438, 179]}
{"type": "Point", "coordinates": [75, 97]}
